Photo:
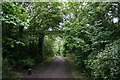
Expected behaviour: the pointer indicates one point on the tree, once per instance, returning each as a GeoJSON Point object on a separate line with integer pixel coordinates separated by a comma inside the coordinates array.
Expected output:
{"type": "Point", "coordinates": [90, 28]}
{"type": "Point", "coordinates": [45, 16]}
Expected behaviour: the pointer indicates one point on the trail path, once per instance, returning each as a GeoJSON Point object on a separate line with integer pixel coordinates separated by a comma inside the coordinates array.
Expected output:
{"type": "Point", "coordinates": [57, 68]}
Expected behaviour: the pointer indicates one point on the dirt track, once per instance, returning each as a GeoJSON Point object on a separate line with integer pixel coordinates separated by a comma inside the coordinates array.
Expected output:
{"type": "Point", "coordinates": [57, 68]}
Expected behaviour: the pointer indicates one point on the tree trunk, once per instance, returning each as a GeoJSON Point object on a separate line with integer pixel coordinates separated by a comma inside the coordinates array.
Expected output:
{"type": "Point", "coordinates": [41, 44]}
{"type": "Point", "coordinates": [21, 31]}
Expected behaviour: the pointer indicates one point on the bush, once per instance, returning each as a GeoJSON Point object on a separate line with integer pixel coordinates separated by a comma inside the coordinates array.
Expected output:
{"type": "Point", "coordinates": [27, 63]}
{"type": "Point", "coordinates": [7, 71]}
{"type": "Point", "coordinates": [106, 63]}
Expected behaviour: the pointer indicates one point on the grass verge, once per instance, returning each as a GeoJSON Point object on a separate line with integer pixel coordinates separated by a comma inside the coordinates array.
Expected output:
{"type": "Point", "coordinates": [76, 72]}
{"type": "Point", "coordinates": [47, 59]}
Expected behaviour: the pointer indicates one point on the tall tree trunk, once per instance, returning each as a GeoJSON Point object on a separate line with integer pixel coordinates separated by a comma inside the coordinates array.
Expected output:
{"type": "Point", "coordinates": [21, 31]}
{"type": "Point", "coordinates": [41, 44]}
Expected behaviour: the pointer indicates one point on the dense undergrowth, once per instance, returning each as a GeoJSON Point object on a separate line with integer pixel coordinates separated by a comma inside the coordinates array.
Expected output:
{"type": "Point", "coordinates": [93, 37]}
{"type": "Point", "coordinates": [104, 65]}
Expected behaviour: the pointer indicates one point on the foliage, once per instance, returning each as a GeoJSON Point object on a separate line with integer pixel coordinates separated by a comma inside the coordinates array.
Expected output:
{"type": "Point", "coordinates": [49, 47]}
{"type": "Point", "coordinates": [90, 28]}
{"type": "Point", "coordinates": [46, 15]}
{"type": "Point", "coordinates": [106, 63]}
{"type": "Point", "coordinates": [7, 71]}
{"type": "Point", "coordinates": [25, 26]}
{"type": "Point", "coordinates": [26, 63]}
{"type": "Point", "coordinates": [13, 26]}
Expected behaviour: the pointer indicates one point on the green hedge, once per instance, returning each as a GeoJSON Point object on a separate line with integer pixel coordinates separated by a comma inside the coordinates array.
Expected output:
{"type": "Point", "coordinates": [106, 64]}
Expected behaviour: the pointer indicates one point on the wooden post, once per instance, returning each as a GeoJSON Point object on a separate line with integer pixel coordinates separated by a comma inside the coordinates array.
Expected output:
{"type": "Point", "coordinates": [29, 72]}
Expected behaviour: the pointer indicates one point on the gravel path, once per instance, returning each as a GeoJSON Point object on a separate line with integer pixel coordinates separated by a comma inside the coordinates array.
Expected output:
{"type": "Point", "coordinates": [57, 68]}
